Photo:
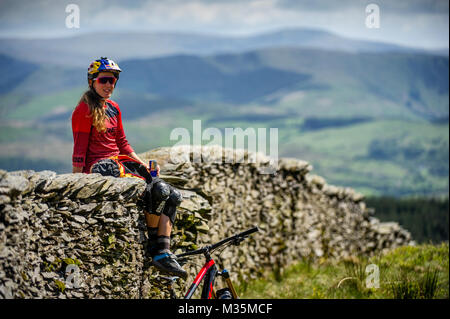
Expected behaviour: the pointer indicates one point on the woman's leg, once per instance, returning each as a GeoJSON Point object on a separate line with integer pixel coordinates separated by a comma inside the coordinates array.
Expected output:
{"type": "Point", "coordinates": [159, 229]}
{"type": "Point", "coordinates": [162, 223]}
{"type": "Point", "coordinates": [164, 226]}
{"type": "Point", "coordinates": [152, 220]}
{"type": "Point", "coordinates": [160, 216]}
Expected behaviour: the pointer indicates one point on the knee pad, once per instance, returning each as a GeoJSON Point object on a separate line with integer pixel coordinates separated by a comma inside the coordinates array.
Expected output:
{"type": "Point", "coordinates": [160, 191]}
{"type": "Point", "coordinates": [175, 197]}
{"type": "Point", "coordinates": [174, 200]}
{"type": "Point", "coordinates": [157, 194]}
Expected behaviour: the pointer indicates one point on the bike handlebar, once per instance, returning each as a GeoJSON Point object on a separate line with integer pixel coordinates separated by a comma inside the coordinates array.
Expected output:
{"type": "Point", "coordinates": [241, 235]}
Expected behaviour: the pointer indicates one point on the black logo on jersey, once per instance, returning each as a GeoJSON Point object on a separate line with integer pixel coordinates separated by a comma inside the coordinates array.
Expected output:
{"type": "Point", "coordinates": [111, 111]}
{"type": "Point", "coordinates": [111, 130]}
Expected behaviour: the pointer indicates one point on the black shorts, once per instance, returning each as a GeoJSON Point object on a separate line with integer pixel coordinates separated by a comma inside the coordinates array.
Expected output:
{"type": "Point", "coordinates": [121, 166]}
{"type": "Point", "coordinates": [125, 166]}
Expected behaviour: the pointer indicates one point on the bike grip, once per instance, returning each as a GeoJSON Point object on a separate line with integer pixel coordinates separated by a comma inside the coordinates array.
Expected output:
{"type": "Point", "coordinates": [249, 231]}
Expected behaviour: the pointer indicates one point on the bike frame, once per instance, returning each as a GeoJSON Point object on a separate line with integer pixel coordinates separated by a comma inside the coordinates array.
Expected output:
{"type": "Point", "coordinates": [209, 271]}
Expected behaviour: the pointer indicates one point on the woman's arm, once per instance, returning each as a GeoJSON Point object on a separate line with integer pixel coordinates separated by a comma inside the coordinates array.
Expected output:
{"type": "Point", "coordinates": [81, 128]}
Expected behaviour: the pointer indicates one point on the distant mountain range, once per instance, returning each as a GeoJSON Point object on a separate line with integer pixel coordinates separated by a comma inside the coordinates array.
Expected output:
{"type": "Point", "coordinates": [413, 82]}
{"type": "Point", "coordinates": [371, 116]}
{"type": "Point", "coordinates": [377, 85]}
{"type": "Point", "coordinates": [75, 51]}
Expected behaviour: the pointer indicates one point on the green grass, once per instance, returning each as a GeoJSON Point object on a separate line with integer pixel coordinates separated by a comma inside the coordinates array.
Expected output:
{"type": "Point", "coordinates": [410, 272]}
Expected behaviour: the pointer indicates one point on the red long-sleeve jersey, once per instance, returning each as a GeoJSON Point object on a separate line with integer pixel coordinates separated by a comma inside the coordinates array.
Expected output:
{"type": "Point", "coordinates": [91, 145]}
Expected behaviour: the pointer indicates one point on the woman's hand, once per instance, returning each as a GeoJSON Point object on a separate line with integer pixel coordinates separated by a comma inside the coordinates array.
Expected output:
{"type": "Point", "coordinates": [133, 155]}
{"type": "Point", "coordinates": [157, 168]}
{"type": "Point", "coordinates": [148, 167]}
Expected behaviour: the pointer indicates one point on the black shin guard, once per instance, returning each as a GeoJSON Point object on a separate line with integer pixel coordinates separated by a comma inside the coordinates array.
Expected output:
{"type": "Point", "coordinates": [174, 200]}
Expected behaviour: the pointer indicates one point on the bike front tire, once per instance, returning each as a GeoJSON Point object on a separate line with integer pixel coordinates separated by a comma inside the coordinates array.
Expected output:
{"type": "Point", "coordinates": [224, 293]}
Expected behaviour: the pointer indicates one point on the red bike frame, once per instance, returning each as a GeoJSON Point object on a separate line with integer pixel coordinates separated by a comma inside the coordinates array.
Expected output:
{"type": "Point", "coordinates": [209, 270]}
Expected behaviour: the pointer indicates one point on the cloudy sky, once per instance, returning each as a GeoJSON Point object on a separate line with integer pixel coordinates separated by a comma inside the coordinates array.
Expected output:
{"type": "Point", "coordinates": [416, 23]}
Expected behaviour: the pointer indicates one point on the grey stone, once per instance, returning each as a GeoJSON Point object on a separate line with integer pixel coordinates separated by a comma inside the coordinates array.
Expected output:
{"type": "Point", "coordinates": [79, 219]}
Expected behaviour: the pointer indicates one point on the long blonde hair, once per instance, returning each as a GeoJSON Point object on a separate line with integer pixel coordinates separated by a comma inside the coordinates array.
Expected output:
{"type": "Point", "coordinates": [96, 109]}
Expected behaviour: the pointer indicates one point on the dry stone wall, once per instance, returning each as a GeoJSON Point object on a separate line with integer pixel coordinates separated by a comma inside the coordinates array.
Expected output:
{"type": "Point", "coordinates": [80, 236]}
{"type": "Point", "coordinates": [84, 236]}
{"type": "Point", "coordinates": [299, 214]}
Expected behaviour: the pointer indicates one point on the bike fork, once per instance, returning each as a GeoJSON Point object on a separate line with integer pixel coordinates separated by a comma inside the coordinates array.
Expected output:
{"type": "Point", "coordinates": [226, 275]}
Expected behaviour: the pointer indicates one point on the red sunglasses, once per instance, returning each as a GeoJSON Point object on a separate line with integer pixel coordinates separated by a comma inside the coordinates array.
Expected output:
{"type": "Point", "coordinates": [104, 79]}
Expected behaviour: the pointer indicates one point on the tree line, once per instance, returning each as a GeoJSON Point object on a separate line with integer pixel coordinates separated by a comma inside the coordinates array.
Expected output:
{"type": "Point", "coordinates": [425, 218]}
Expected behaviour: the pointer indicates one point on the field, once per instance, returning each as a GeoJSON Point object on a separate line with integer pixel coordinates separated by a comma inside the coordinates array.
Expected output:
{"type": "Point", "coordinates": [413, 272]}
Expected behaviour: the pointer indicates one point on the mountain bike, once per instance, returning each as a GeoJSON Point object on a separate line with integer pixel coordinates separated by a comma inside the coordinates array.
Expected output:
{"type": "Point", "coordinates": [209, 271]}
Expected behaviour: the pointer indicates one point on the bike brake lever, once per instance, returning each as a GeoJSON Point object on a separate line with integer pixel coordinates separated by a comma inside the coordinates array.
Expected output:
{"type": "Point", "coordinates": [238, 241]}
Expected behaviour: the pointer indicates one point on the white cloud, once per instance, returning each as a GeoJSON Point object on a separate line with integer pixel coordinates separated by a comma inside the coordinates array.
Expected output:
{"type": "Point", "coordinates": [423, 23]}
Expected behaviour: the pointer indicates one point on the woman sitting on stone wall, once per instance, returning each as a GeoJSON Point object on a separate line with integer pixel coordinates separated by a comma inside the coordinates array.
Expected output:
{"type": "Point", "coordinates": [100, 146]}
